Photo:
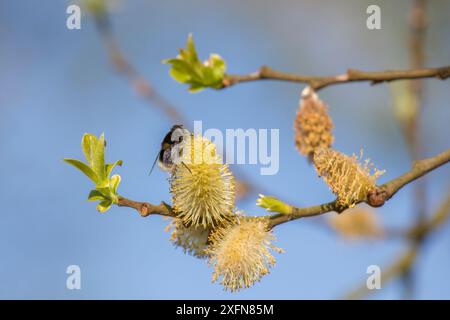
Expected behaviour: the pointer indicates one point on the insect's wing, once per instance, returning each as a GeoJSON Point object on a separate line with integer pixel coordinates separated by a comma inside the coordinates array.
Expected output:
{"type": "Point", "coordinates": [165, 159]}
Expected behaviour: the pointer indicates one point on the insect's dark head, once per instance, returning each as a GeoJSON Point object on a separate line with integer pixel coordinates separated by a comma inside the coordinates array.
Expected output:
{"type": "Point", "coordinates": [171, 137]}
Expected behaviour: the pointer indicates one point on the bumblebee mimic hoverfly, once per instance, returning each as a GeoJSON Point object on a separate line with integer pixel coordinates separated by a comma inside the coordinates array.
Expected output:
{"type": "Point", "coordinates": [169, 145]}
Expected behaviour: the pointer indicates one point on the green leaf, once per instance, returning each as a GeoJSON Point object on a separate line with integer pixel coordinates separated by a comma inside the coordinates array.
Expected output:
{"type": "Point", "coordinates": [104, 206]}
{"type": "Point", "coordinates": [217, 63]}
{"type": "Point", "coordinates": [272, 204]}
{"type": "Point", "coordinates": [196, 88]}
{"type": "Point", "coordinates": [114, 183]}
{"type": "Point", "coordinates": [88, 143]}
{"type": "Point", "coordinates": [99, 172]}
{"type": "Point", "coordinates": [110, 166]}
{"type": "Point", "coordinates": [98, 161]}
{"type": "Point", "coordinates": [106, 191]}
{"type": "Point", "coordinates": [96, 195]}
{"type": "Point", "coordinates": [83, 168]}
{"type": "Point", "coordinates": [188, 69]}
{"type": "Point", "coordinates": [179, 75]}
{"type": "Point", "coordinates": [218, 68]}
{"type": "Point", "coordinates": [191, 48]}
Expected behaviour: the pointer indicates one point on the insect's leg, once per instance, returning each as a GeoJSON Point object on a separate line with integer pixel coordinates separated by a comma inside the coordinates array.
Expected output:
{"type": "Point", "coordinates": [185, 165]}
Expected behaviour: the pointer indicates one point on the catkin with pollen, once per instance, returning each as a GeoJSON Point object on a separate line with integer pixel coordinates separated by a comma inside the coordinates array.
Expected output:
{"type": "Point", "coordinates": [202, 187]}
{"type": "Point", "coordinates": [349, 180]}
{"type": "Point", "coordinates": [193, 240]}
{"type": "Point", "coordinates": [313, 126]}
{"type": "Point", "coordinates": [240, 253]}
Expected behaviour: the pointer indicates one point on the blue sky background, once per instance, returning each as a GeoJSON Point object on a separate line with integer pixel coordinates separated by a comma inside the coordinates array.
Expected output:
{"type": "Point", "coordinates": [57, 84]}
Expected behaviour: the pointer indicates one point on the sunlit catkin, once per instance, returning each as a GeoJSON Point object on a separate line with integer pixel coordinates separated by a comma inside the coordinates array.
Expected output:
{"type": "Point", "coordinates": [241, 253]}
{"type": "Point", "coordinates": [202, 186]}
{"type": "Point", "coordinates": [313, 126]}
{"type": "Point", "coordinates": [349, 180]}
{"type": "Point", "coordinates": [193, 240]}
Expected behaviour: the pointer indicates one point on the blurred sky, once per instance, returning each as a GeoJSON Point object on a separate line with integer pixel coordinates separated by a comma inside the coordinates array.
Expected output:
{"type": "Point", "coordinates": [57, 84]}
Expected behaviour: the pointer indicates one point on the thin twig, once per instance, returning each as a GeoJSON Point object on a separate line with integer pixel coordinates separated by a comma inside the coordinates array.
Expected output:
{"type": "Point", "coordinates": [146, 90]}
{"type": "Point", "coordinates": [411, 125]}
{"type": "Point", "coordinates": [141, 85]}
{"type": "Point", "coordinates": [384, 193]}
{"type": "Point", "coordinates": [404, 263]}
{"type": "Point", "coordinates": [398, 266]}
{"type": "Point", "coordinates": [418, 26]}
{"type": "Point", "coordinates": [352, 75]}
{"type": "Point", "coordinates": [375, 199]}
{"type": "Point", "coordinates": [145, 208]}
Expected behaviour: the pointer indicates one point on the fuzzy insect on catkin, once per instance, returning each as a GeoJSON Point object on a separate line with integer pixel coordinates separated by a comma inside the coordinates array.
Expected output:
{"type": "Point", "coordinates": [313, 126]}
{"type": "Point", "coordinates": [240, 253]}
{"type": "Point", "coordinates": [349, 180]}
{"type": "Point", "coordinates": [202, 187]}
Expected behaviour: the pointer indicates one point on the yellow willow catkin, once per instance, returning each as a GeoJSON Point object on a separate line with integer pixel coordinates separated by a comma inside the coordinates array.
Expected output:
{"type": "Point", "coordinates": [193, 240]}
{"type": "Point", "coordinates": [202, 186]}
{"type": "Point", "coordinates": [358, 222]}
{"type": "Point", "coordinates": [240, 253]}
{"type": "Point", "coordinates": [349, 180]}
{"type": "Point", "coordinates": [313, 126]}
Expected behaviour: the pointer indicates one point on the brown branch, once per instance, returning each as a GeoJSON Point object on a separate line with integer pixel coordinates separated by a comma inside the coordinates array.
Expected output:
{"type": "Point", "coordinates": [145, 208]}
{"type": "Point", "coordinates": [376, 198]}
{"type": "Point", "coordinates": [410, 125]}
{"type": "Point", "coordinates": [421, 230]}
{"type": "Point", "coordinates": [146, 90]}
{"type": "Point", "coordinates": [352, 75]}
{"type": "Point", "coordinates": [412, 130]}
{"type": "Point", "coordinates": [419, 168]}
{"type": "Point", "coordinates": [403, 264]}
{"type": "Point", "coordinates": [141, 85]}
{"type": "Point", "coordinates": [383, 193]}
{"type": "Point", "coordinates": [399, 266]}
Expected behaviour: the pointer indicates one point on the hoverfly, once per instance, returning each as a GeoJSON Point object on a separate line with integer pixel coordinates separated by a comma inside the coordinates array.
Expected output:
{"type": "Point", "coordinates": [171, 143]}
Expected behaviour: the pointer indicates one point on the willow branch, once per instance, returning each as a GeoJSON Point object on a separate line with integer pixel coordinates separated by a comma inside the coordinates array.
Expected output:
{"type": "Point", "coordinates": [352, 75]}
{"type": "Point", "coordinates": [375, 199]}
{"type": "Point", "coordinates": [401, 265]}
{"type": "Point", "coordinates": [141, 85]}
{"type": "Point", "coordinates": [419, 168]}
{"type": "Point", "coordinates": [145, 89]}
{"type": "Point", "coordinates": [145, 208]}
{"type": "Point", "coordinates": [412, 129]}
{"type": "Point", "coordinates": [420, 231]}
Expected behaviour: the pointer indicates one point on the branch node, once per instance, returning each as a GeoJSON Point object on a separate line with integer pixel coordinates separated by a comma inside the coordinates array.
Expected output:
{"type": "Point", "coordinates": [226, 82]}
{"type": "Point", "coordinates": [339, 209]}
{"type": "Point", "coordinates": [351, 73]}
{"type": "Point", "coordinates": [443, 73]}
{"type": "Point", "coordinates": [144, 210]}
{"type": "Point", "coordinates": [262, 72]}
{"type": "Point", "coordinates": [377, 197]}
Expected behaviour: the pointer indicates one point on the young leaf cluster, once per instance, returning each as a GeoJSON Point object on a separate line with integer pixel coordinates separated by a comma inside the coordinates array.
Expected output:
{"type": "Point", "coordinates": [187, 68]}
{"type": "Point", "coordinates": [98, 171]}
